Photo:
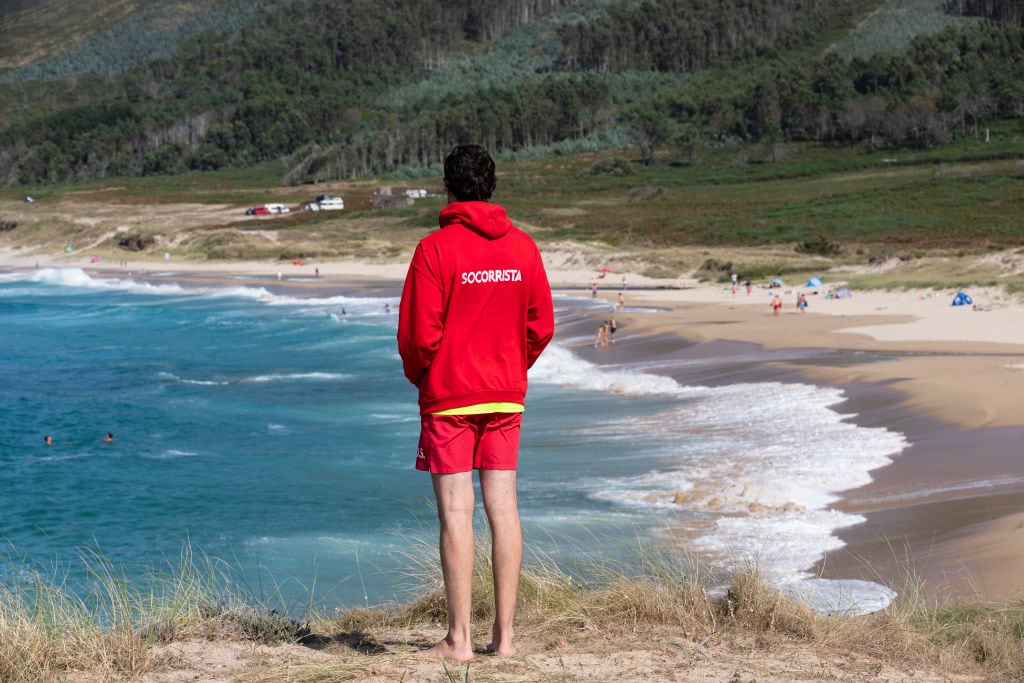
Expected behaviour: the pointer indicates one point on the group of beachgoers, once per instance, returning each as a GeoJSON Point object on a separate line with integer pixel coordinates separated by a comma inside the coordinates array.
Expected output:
{"type": "Point", "coordinates": [109, 438]}
{"type": "Point", "coordinates": [593, 285]}
{"type": "Point", "coordinates": [736, 283]}
{"type": "Point", "coordinates": [606, 332]}
{"type": "Point", "coordinates": [801, 304]}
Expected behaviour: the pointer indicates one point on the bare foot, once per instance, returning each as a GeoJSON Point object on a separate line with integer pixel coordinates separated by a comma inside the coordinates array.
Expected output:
{"type": "Point", "coordinates": [448, 650]}
{"type": "Point", "coordinates": [502, 649]}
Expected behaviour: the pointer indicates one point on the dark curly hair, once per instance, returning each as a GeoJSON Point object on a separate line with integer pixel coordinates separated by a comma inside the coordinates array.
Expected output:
{"type": "Point", "coordinates": [469, 174]}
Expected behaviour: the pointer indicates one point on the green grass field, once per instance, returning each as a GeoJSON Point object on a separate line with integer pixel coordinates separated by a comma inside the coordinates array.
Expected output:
{"type": "Point", "coordinates": [967, 198]}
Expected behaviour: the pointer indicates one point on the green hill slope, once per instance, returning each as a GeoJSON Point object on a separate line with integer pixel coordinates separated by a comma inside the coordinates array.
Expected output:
{"type": "Point", "coordinates": [34, 30]}
{"type": "Point", "coordinates": [894, 25]}
{"type": "Point", "coordinates": [59, 39]}
{"type": "Point", "coordinates": [339, 90]}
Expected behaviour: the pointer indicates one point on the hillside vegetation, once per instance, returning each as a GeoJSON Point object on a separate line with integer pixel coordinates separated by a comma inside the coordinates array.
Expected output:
{"type": "Point", "coordinates": [53, 41]}
{"type": "Point", "coordinates": [813, 209]}
{"type": "Point", "coordinates": [334, 91]}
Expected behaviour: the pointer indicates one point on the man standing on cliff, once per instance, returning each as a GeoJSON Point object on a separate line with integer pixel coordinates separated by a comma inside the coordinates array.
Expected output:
{"type": "Point", "coordinates": [475, 314]}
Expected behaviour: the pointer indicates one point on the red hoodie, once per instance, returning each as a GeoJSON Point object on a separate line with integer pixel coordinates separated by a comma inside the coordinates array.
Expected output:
{"type": "Point", "coordinates": [476, 310]}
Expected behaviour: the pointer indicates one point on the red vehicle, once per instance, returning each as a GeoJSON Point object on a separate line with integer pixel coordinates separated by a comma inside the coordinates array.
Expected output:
{"type": "Point", "coordinates": [257, 211]}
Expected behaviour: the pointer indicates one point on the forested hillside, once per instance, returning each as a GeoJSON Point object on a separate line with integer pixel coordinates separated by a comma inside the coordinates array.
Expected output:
{"type": "Point", "coordinates": [1006, 11]}
{"type": "Point", "coordinates": [342, 89]}
{"type": "Point", "coordinates": [57, 39]}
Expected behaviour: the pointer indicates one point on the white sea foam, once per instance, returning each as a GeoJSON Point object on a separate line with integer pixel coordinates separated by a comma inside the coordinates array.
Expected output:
{"type": "Point", "coordinates": [172, 454]}
{"type": "Point", "coordinates": [171, 377]}
{"type": "Point", "coordinates": [260, 379]}
{"type": "Point", "coordinates": [987, 485]}
{"type": "Point", "coordinates": [394, 419]}
{"type": "Point", "coordinates": [292, 376]}
{"type": "Point", "coordinates": [78, 278]}
{"type": "Point", "coordinates": [756, 466]}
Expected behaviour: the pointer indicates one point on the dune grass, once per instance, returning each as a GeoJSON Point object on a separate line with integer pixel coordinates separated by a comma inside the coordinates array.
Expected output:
{"type": "Point", "coordinates": [109, 627]}
{"type": "Point", "coordinates": [106, 624]}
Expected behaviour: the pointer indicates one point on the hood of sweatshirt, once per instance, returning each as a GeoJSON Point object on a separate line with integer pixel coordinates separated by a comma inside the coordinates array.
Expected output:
{"type": "Point", "coordinates": [490, 220]}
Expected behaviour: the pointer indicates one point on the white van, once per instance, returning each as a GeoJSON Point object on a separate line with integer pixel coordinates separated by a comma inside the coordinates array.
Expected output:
{"type": "Point", "coordinates": [331, 204]}
{"type": "Point", "coordinates": [277, 208]}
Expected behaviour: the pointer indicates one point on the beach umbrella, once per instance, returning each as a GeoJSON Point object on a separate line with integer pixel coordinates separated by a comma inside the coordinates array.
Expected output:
{"type": "Point", "coordinates": [778, 281]}
{"type": "Point", "coordinates": [814, 282]}
{"type": "Point", "coordinates": [606, 270]}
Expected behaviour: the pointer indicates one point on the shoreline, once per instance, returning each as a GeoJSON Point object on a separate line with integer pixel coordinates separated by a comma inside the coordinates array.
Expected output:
{"type": "Point", "coordinates": [951, 397]}
{"type": "Point", "coordinates": [946, 512]}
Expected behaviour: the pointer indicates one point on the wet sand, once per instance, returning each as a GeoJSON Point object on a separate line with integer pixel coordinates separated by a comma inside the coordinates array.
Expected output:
{"type": "Point", "coordinates": [946, 518]}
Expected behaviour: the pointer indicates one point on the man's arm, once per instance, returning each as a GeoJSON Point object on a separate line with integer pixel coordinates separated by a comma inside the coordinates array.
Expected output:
{"type": "Point", "coordinates": [419, 316]}
{"type": "Point", "coordinates": [540, 316]}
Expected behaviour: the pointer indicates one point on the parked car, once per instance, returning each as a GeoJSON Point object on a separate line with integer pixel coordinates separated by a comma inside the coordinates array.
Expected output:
{"type": "Point", "coordinates": [331, 203]}
{"type": "Point", "coordinates": [257, 211]}
{"type": "Point", "coordinates": [277, 208]}
{"type": "Point", "coordinates": [325, 203]}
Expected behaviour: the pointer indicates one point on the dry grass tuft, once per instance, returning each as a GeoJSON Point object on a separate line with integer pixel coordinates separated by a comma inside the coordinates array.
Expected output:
{"type": "Point", "coordinates": [46, 632]}
{"type": "Point", "coordinates": [752, 604]}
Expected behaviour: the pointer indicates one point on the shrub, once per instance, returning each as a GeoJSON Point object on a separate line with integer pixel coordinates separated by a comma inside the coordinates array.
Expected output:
{"type": "Point", "coordinates": [136, 242]}
{"type": "Point", "coordinates": [980, 172]}
{"type": "Point", "coordinates": [820, 245]}
{"type": "Point", "coordinates": [713, 265]}
{"type": "Point", "coordinates": [609, 166]}
{"type": "Point", "coordinates": [645, 193]}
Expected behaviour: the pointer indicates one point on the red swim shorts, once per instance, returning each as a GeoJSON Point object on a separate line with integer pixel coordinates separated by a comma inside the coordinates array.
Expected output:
{"type": "Point", "coordinates": [461, 443]}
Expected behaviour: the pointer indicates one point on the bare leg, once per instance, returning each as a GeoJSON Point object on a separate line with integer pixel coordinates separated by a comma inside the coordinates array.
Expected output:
{"type": "Point", "coordinates": [499, 492]}
{"type": "Point", "coordinates": [454, 493]}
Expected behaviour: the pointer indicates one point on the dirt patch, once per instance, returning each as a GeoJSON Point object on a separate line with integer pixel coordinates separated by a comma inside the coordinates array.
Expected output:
{"type": "Point", "coordinates": [653, 654]}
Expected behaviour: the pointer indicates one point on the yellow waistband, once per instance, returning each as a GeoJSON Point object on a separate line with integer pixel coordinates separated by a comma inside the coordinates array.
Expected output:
{"type": "Point", "coordinates": [481, 408]}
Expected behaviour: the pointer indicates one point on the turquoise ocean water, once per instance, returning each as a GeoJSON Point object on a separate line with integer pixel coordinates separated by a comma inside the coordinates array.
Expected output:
{"type": "Point", "coordinates": [277, 433]}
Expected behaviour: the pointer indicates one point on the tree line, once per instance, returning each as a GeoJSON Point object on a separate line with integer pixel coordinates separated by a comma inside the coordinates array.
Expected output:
{"type": "Point", "coordinates": [332, 87]}
{"type": "Point", "coordinates": [1010, 12]}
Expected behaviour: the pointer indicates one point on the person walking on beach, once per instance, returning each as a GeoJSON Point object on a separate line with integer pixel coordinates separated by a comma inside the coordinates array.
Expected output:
{"type": "Point", "coordinates": [474, 316]}
{"type": "Point", "coordinates": [622, 302]}
{"type": "Point", "coordinates": [776, 305]}
{"type": "Point", "coordinates": [611, 329]}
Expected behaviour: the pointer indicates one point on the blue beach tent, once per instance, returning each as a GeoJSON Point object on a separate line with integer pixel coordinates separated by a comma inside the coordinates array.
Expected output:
{"type": "Point", "coordinates": [814, 282]}
{"type": "Point", "coordinates": [962, 299]}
